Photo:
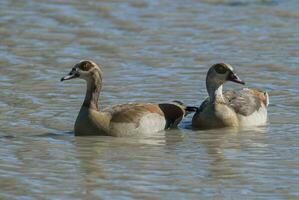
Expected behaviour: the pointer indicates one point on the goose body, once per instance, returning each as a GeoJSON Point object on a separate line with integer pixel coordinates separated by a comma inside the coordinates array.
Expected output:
{"type": "Point", "coordinates": [246, 107]}
{"type": "Point", "coordinates": [119, 120]}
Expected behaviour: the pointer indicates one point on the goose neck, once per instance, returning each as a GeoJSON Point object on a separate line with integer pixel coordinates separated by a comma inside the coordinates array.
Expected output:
{"type": "Point", "coordinates": [215, 91]}
{"type": "Point", "coordinates": [92, 93]}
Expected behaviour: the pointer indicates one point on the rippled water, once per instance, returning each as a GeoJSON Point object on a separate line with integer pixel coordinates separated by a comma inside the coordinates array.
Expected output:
{"type": "Point", "coordinates": [152, 51]}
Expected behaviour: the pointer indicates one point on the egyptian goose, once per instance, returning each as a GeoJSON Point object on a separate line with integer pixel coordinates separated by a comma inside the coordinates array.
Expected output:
{"type": "Point", "coordinates": [119, 120]}
{"type": "Point", "coordinates": [246, 107]}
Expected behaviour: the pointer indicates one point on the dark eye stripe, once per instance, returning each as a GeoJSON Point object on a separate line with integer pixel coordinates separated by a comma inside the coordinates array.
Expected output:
{"type": "Point", "coordinates": [85, 66]}
{"type": "Point", "coordinates": [220, 69]}
{"type": "Point", "coordinates": [81, 67]}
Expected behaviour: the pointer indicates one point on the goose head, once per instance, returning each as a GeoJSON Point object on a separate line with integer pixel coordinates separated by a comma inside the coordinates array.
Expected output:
{"type": "Point", "coordinates": [86, 70]}
{"type": "Point", "coordinates": [217, 75]}
{"type": "Point", "coordinates": [221, 72]}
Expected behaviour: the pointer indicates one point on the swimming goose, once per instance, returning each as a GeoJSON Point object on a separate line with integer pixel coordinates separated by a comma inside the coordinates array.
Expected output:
{"type": "Point", "coordinates": [119, 120]}
{"type": "Point", "coordinates": [246, 107]}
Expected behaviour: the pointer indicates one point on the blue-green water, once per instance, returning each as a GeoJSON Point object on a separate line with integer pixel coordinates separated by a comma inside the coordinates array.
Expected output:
{"type": "Point", "coordinates": [152, 51]}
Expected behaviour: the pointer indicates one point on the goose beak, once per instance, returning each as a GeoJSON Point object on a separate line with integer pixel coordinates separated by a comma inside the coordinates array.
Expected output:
{"type": "Point", "coordinates": [234, 78]}
{"type": "Point", "coordinates": [71, 75]}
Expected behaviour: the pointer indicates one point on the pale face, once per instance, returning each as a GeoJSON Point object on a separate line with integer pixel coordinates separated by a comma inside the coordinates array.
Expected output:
{"type": "Point", "coordinates": [221, 72]}
{"type": "Point", "coordinates": [83, 70]}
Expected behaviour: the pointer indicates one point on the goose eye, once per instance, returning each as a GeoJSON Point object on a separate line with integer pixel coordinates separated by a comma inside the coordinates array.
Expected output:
{"type": "Point", "coordinates": [220, 69]}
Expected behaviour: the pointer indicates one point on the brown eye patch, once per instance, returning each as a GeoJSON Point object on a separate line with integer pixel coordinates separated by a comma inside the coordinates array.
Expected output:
{"type": "Point", "coordinates": [220, 68]}
{"type": "Point", "coordinates": [85, 66]}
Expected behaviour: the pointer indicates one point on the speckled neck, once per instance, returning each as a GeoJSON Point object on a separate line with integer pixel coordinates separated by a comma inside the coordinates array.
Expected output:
{"type": "Point", "coordinates": [94, 85]}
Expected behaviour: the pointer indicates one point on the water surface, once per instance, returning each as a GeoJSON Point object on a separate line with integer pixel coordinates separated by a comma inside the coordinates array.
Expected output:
{"type": "Point", "coordinates": [152, 51]}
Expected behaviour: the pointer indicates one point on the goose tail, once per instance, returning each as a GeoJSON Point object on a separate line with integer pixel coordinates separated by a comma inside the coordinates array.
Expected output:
{"type": "Point", "coordinates": [188, 109]}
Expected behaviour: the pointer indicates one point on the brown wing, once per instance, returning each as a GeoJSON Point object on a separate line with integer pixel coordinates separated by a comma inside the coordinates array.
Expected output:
{"type": "Point", "coordinates": [245, 101]}
{"type": "Point", "coordinates": [132, 113]}
{"type": "Point", "coordinates": [263, 96]}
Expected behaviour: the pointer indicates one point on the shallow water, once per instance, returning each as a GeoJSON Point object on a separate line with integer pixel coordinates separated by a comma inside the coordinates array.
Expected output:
{"type": "Point", "coordinates": [152, 51]}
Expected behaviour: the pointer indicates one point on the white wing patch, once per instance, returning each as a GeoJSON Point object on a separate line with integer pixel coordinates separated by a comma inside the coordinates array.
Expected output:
{"type": "Point", "coordinates": [257, 118]}
{"type": "Point", "coordinates": [150, 123]}
{"type": "Point", "coordinates": [268, 101]}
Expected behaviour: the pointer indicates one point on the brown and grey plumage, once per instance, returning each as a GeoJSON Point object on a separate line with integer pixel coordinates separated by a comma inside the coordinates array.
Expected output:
{"type": "Point", "coordinates": [246, 107]}
{"type": "Point", "coordinates": [123, 119]}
